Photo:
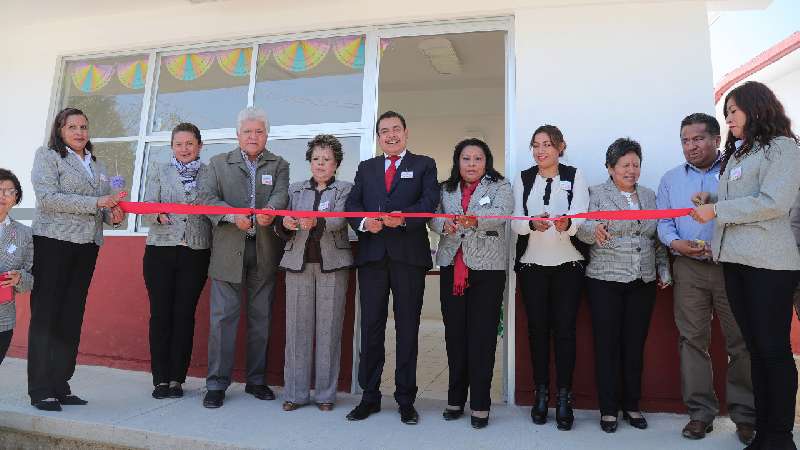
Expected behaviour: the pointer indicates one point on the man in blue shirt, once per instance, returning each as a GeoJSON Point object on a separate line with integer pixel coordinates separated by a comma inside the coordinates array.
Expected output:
{"type": "Point", "coordinates": [700, 288]}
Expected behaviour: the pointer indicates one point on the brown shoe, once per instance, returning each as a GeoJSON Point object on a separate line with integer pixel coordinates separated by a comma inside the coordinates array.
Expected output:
{"type": "Point", "coordinates": [745, 432]}
{"type": "Point", "coordinates": [325, 406]}
{"type": "Point", "coordinates": [697, 429]}
{"type": "Point", "coordinates": [290, 406]}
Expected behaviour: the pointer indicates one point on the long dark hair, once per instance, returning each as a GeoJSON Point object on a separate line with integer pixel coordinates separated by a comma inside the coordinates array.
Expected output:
{"type": "Point", "coordinates": [766, 119]}
{"type": "Point", "coordinates": [451, 183]}
{"type": "Point", "coordinates": [56, 142]}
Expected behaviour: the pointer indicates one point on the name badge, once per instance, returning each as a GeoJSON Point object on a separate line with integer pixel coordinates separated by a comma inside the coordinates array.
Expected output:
{"type": "Point", "coordinates": [408, 174]}
{"type": "Point", "coordinates": [484, 201]}
{"type": "Point", "coordinates": [11, 248]}
{"type": "Point", "coordinates": [323, 206]}
{"type": "Point", "coordinates": [736, 173]}
{"type": "Point", "coordinates": [566, 186]}
{"type": "Point", "coordinates": [266, 180]}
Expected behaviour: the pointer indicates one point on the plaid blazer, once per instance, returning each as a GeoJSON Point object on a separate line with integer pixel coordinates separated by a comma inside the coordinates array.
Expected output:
{"type": "Point", "coordinates": [66, 198]}
{"type": "Point", "coordinates": [16, 253]}
{"type": "Point", "coordinates": [634, 250]}
{"type": "Point", "coordinates": [334, 243]}
{"type": "Point", "coordinates": [485, 247]}
{"type": "Point", "coordinates": [164, 186]}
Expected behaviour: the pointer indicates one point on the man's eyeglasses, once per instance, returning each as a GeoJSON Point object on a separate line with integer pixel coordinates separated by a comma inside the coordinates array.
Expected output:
{"type": "Point", "coordinates": [10, 192]}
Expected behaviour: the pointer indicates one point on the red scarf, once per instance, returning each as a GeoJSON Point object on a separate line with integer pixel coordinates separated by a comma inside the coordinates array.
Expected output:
{"type": "Point", "coordinates": [460, 269]}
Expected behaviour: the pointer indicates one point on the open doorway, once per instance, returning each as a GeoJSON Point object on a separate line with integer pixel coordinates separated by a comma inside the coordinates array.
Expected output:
{"type": "Point", "coordinates": [448, 87]}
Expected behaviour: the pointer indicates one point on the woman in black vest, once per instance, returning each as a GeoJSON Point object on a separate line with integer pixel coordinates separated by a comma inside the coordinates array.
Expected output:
{"type": "Point", "coordinates": [549, 266]}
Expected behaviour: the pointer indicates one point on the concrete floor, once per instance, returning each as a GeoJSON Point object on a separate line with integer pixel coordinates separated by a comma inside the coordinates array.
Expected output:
{"type": "Point", "coordinates": [122, 412]}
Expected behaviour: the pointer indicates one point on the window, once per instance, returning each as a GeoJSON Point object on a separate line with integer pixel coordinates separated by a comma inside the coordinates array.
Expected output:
{"type": "Point", "coordinates": [109, 90]}
{"type": "Point", "coordinates": [306, 86]}
{"type": "Point", "coordinates": [204, 88]}
{"type": "Point", "coordinates": [311, 81]}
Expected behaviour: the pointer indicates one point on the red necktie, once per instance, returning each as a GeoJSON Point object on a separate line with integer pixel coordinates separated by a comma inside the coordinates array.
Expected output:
{"type": "Point", "coordinates": [390, 172]}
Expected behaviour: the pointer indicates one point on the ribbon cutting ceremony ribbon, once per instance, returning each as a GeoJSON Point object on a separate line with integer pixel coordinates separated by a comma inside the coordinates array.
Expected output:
{"type": "Point", "coordinates": [179, 208]}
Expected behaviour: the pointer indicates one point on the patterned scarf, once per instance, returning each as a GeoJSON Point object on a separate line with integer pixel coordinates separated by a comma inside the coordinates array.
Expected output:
{"type": "Point", "coordinates": [187, 172]}
{"type": "Point", "coordinates": [460, 269]}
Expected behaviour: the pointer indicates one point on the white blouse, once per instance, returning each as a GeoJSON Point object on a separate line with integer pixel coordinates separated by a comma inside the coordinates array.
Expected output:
{"type": "Point", "coordinates": [550, 248]}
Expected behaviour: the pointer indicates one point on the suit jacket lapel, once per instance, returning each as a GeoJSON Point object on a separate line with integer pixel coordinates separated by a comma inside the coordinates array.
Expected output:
{"type": "Point", "coordinates": [77, 165]}
{"type": "Point", "coordinates": [615, 195]}
{"type": "Point", "coordinates": [404, 163]}
{"type": "Point", "coordinates": [478, 194]}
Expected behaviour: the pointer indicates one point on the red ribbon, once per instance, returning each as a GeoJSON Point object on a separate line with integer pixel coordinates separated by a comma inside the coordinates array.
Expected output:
{"type": "Point", "coordinates": [180, 208]}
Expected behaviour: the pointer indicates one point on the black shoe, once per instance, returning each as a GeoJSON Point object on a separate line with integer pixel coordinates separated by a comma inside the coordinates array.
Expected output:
{"type": "Point", "coordinates": [72, 400]}
{"type": "Point", "coordinates": [260, 391]}
{"type": "Point", "coordinates": [47, 405]}
{"type": "Point", "coordinates": [609, 426]}
{"type": "Point", "coordinates": [479, 422]}
{"type": "Point", "coordinates": [409, 415]}
{"type": "Point", "coordinates": [539, 410]}
{"type": "Point", "coordinates": [640, 422]}
{"type": "Point", "coordinates": [161, 391]}
{"type": "Point", "coordinates": [452, 414]}
{"type": "Point", "coordinates": [175, 391]}
{"type": "Point", "coordinates": [214, 399]}
{"type": "Point", "coordinates": [564, 415]}
{"type": "Point", "coordinates": [363, 410]}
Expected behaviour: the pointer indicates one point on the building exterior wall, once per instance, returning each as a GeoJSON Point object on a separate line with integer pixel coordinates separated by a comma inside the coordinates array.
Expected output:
{"type": "Point", "coordinates": [598, 69]}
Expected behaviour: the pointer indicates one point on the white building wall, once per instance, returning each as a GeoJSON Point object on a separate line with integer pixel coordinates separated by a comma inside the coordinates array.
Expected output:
{"type": "Point", "coordinates": [598, 72]}
{"type": "Point", "coordinates": [604, 72]}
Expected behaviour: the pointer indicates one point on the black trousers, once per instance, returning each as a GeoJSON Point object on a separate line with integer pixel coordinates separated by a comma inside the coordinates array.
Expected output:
{"type": "Point", "coordinates": [621, 315]}
{"type": "Point", "coordinates": [63, 271]}
{"type": "Point", "coordinates": [551, 296]}
{"type": "Point", "coordinates": [5, 342]}
{"type": "Point", "coordinates": [174, 277]}
{"type": "Point", "coordinates": [470, 333]}
{"type": "Point", "coordinates": [407, 284]}
{"type": "Point", "coordinates": [761, 301]}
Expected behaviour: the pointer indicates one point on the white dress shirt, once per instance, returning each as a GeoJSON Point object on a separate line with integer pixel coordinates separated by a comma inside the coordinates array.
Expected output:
{"type": "Point", "coordinates": [549, 247]}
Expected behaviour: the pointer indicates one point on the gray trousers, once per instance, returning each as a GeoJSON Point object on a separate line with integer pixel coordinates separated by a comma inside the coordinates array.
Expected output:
{"type": "Point", "coordinates": [226, 299]}
{"type": "Point", "coordinates": [314, 311]}
{"type": "Point", "coordinates": [699, 293]}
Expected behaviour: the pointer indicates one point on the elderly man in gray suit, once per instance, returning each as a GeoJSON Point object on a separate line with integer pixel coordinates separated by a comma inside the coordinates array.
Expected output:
{"type": "Point", "coordinates": [244, 253]}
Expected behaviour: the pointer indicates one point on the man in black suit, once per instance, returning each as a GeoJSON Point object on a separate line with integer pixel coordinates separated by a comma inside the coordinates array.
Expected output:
{"type": "Point", "coordinates": [393, 253]}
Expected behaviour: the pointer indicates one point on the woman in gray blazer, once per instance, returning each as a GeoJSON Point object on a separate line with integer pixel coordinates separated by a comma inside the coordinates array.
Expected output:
{"type": "Point", "coordinates": [73, 199]}
{"type": "Point", "coordinates": [753, 239]}
{"type": "Point", "coordinates": [175, 264]}
{"type": "Point", "coordinates": [16, 257]}
{"type": "Point", "coordinates": [473, 255]}
{"type": "Point", "coordinates": [317, 259]}
{"type": "Point", "coordinates": [626, 259]}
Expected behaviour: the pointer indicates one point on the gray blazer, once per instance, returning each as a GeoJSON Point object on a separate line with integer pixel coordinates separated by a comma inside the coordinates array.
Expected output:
{"type": "Point", "coordinates": [634, 250]}
{"type": "Point", "coordinates": [334, 243]}
{"type": "Point", "coordinates": [228, 184]}
{"type": "Point", "coordinates": [794, 219]}
{"type": "Point", "coordinates": [66, 198]}
{"type": "Point", "coordinates": [485, 247]}
{"type": "Point", "coordinates": [753, 201]}
{"type": "Point", "coordinates": [164, 186]}
{"type": "Point", "coordinates": [16, 253]}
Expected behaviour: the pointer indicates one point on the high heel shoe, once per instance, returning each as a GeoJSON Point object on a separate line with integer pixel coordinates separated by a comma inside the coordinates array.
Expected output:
{"type": "Point", "coordinates": [609, 426]}
{"type": "Point", "coordinates": [479, 422]}
{"type": "Point", "coordinates": [564, 414]}
{"type": "Point", "coordinates": [539, 410]}
{"type": "Point", "coordinates": [452, 414]}
{"type": "Point", "coordinates": [635, 422]}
